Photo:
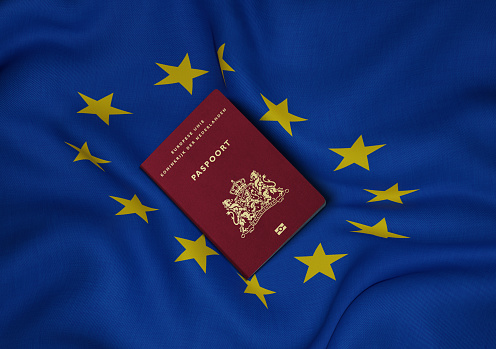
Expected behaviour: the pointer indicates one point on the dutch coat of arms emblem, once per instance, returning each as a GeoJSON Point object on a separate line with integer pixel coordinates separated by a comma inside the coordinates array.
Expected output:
{"type": "Point", "coordinates": [252, 200]}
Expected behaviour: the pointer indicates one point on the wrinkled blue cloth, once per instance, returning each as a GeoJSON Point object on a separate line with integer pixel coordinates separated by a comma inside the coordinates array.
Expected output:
{"type": "Point", "coordinates": [417, 76]}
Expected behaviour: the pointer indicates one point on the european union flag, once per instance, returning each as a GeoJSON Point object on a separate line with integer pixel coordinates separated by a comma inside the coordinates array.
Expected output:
{"type": "Point", "coordinates": [387, 107]}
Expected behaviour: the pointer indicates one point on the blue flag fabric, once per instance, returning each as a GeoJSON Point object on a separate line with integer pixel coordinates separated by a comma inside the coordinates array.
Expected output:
{"type": "Point", "coordinates": [388, 108]}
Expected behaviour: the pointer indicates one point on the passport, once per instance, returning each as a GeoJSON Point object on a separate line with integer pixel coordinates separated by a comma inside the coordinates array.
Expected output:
{"type": "Point", "coordinates": [233, 184]}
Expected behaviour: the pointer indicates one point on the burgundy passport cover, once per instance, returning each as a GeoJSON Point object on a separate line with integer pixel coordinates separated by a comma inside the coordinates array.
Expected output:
{"type": "Point", "coordinates": [233, 184]}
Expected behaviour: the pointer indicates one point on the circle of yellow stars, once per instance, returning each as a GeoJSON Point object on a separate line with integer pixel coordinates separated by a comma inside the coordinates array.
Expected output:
{"type": "Point", "coordinates": [317, 263]}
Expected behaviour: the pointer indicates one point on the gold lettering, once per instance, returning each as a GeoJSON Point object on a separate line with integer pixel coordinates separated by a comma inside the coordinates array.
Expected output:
{"type": "Point", "coordinates": [218, 152]}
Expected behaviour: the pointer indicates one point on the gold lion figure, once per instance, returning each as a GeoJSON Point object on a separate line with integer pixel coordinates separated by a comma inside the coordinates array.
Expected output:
{"type": "Point", "coordinates": [252, 200]}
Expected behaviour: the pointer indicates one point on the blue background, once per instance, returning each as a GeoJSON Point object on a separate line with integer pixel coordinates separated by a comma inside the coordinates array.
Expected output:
{"type": "Point", "coordinates": [418, 76]}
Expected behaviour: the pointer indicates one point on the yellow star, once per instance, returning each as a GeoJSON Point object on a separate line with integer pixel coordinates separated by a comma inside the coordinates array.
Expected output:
{"type": "Point", "coordinates": [84, 154]}
{"type": "Point", "coordinates": [380, 230]}
{"type": "Point", "coordinates": [319, 263]}
{"type": "Point", "coordinates": [391, 194]}
{"type": "Point", "coordinates": [357, 154]}
{"type": "Point", "coordinates": [280, 114]}
{"type": "Point", "coordinates": [133, 206]}
{"type": "Point", "coordinates": [223, 65]}
{"type": "Point", "coordinates": [182, 74]}
{"type": "Point", "coordinates": [197, 250]}
{"type": "Point", "coordinates": [101, 107]}
{"type": "Point", "coordinates": [253, 287]}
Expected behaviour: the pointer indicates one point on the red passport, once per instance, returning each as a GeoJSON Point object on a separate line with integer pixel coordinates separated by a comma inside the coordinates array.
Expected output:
{"type": "Point", "coordinates": [233, 184]}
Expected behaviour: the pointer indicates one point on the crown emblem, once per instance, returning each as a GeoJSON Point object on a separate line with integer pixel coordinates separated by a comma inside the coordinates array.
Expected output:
{"type": "Point", "coordinates": [251, 200]}
{"type": "Point", "coordinates": [237, 186]}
